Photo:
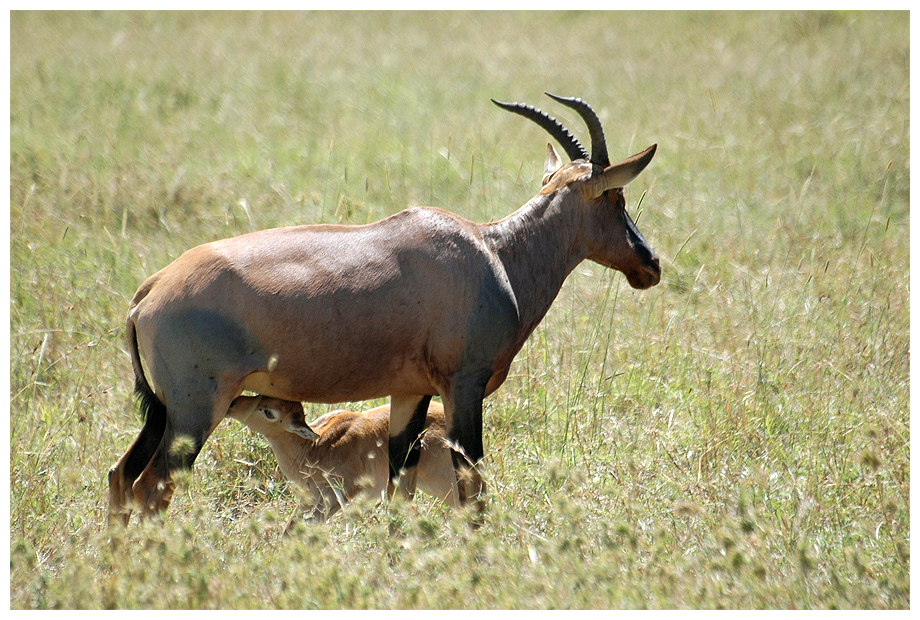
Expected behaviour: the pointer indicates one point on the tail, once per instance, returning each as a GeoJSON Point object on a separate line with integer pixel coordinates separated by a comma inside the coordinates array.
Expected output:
{"type": "Point", "coordinates": [152, 410]}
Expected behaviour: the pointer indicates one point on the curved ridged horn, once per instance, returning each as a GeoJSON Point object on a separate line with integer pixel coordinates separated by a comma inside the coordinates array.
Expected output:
{"type": "Point", "coordinates": [598, 143]}
{"type": "Point", "coordinates": [556, 129]}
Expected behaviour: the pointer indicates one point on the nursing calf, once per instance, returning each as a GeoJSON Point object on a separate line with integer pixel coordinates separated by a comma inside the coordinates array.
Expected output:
{"type": "Point", "coordinates": [345, 453]}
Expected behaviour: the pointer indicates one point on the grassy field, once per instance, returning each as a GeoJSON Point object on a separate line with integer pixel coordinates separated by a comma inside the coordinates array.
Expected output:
{"type": "Point", "coordinates": [737, 436]}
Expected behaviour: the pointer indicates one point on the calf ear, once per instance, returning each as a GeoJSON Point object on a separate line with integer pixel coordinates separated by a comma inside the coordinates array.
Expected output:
{"type": "Point", "coordinates": [299, 427]}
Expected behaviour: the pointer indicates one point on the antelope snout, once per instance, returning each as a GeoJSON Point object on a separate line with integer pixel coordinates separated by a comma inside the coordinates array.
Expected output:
{"type": "Point", "coordinates": [647, 276]}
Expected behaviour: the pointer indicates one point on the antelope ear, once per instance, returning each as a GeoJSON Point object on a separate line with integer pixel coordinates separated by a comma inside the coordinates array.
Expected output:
{"type": "Point", "coordinates": [623, 173]}
{"type": "Point", "coordinates": [618, 175]}
{"type": "Point", "coordinates": [299, 427]}
{"type": "Point", "coordinates": [553, 163]}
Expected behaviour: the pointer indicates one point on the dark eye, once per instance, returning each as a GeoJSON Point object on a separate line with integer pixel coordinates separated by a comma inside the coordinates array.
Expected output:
{"type": "Point", "coordinates": [269, 414]}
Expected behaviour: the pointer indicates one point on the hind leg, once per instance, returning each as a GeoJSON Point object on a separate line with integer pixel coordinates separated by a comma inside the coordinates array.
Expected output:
{"type": "Point", "coordinates": [187, 428]}
{"type": "Point", "coordinates": [129, 467]}
{"type": "Point", "coordinates": [153, 489]}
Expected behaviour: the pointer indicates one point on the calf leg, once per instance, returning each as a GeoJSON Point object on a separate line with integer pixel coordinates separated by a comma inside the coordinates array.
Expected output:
{"type": "Point", "coordinates": [407, 420]}
{"type": "Point", "coordinates": [316, 513]}
{"type": "Point", "coordinates": [436, 474]}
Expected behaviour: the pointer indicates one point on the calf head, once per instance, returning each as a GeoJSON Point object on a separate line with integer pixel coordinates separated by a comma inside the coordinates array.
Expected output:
{"type": "Point", "coordinates": [271, 415]}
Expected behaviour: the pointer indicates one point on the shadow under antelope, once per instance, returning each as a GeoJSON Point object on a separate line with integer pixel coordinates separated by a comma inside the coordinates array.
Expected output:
{"type": "Point", "coordinates": [421, 303]}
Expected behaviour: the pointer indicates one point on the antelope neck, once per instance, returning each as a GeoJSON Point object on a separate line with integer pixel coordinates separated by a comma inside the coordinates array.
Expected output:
{"type": "Point", "coordinates": [539, 245]}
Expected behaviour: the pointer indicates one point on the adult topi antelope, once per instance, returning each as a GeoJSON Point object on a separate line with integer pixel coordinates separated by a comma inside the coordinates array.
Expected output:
{"type": "Point", "coordinates": [421, 303]}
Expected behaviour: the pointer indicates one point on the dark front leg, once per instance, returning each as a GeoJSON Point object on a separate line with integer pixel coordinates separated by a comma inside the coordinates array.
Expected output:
{"type": "Point", "coordinates": [407, 420]}
{"type": "Point", "coordinates": [463, 415]}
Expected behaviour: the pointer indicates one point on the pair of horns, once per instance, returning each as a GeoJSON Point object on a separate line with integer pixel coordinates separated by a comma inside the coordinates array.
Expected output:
{"type": "Point", "coordinates": [557, 130]}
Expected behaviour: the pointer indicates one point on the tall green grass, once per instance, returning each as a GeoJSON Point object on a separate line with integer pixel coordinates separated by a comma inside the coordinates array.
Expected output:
{"type": "Point", "coordinates": [737, 436]}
